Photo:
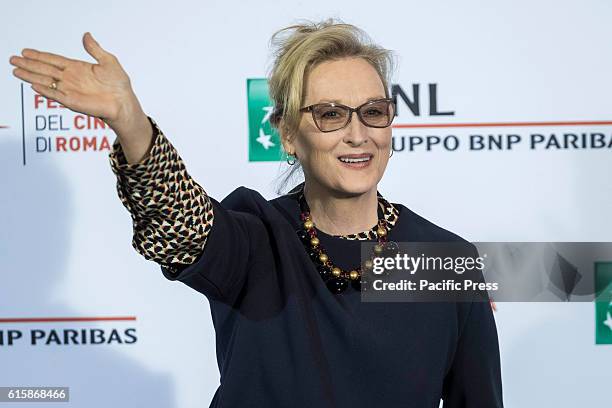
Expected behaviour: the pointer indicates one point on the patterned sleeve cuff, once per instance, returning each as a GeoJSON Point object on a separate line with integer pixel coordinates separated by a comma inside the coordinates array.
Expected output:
{"type": "Point", "coordinates": [144, 171]}
{"type": "Point", "coordinates": [152, 183]}
{"type": "Point", "coordinates": [171, 213]}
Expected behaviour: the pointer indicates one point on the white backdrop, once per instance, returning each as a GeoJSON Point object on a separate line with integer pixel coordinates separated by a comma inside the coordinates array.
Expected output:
{"type": "Point", "coordinates": [65, 237]}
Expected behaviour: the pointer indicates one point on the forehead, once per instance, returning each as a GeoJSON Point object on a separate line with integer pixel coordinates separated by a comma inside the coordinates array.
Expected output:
{"type": "Point", "coordinates": [351, 81]}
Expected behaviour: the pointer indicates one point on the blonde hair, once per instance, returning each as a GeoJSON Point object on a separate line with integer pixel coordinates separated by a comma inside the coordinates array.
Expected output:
{"type": "Point", "coordinates": [300, 47]}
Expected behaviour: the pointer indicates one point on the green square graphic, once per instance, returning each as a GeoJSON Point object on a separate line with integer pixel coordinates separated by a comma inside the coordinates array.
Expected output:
{"type": "Point", "coordinates": [264, 140]}
{"type": "Point", "coordinates": [603, 303]}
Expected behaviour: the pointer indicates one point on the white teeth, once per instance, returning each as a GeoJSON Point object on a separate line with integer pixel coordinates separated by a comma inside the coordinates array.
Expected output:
{"type": "Point", "coordinates": [354, 160]}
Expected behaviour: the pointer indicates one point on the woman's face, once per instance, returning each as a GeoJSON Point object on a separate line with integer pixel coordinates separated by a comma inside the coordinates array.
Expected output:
{"type": "Point", "coordinates": [324, 155]}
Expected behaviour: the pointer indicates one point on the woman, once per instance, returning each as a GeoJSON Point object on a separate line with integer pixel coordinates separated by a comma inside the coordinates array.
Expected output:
{"type": "Point", "coordinates": [283, 276]}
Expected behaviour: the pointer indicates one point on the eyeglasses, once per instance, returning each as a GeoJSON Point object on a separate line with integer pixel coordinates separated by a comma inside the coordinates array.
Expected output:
{"type": "Point", "coordinates": [331, 116]}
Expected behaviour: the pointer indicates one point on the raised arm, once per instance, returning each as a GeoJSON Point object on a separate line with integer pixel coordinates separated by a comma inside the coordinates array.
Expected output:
{"type": "Point", "coordinates": [172, 214]}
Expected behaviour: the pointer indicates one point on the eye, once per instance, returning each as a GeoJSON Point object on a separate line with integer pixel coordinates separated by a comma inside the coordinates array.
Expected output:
{"type": "Point", "coordinates": [330, 113]}
{"type": "Point", "coordinates": [373, 112]}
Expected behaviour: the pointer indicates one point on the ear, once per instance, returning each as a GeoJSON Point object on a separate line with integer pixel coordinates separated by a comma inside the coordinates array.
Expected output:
{"type": "Point", "coordinates": [287, 138]}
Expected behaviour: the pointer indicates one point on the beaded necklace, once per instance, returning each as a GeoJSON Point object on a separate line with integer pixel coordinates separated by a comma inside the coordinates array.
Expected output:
{"type": "Point", "coordinates": [335, 278]}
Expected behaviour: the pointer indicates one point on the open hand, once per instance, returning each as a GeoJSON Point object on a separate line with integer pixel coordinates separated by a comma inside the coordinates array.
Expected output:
{"type": "Point", "coordinates": [102, 89]}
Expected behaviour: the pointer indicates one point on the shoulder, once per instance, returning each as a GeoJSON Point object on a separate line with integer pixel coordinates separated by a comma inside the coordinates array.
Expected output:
{"type": "Point", "coordinates": [251, 204]}
{"type": "Point", "coordinates": [422, 229]}
{"type": "Point", "coordinates": [244, 199]}
{"type": "Point", "coordinates": [241, 195]}
{"type": "Point", "coordinates": [248, 200]}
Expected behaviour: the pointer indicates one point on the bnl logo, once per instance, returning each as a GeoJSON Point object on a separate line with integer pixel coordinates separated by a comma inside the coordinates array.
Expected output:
{"type": "Point", "coordinates": [603, 303]}
{"type": "Point", "coordinates": [264, 140]}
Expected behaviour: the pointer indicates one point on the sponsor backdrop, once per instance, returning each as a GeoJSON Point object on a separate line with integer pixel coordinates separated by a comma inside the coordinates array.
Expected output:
{"type": "Point", "coordinates": [504, 133]}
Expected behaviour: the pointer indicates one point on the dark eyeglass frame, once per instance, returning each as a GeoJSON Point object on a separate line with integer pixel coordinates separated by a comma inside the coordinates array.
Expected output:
{"type": "Point", "coordinates": [311, 109]}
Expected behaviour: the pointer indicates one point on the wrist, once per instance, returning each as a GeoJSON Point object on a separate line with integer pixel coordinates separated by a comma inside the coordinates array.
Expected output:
{"type": "Point", "coordinates": [129, 117]}
{"type": "Point", "coordinates": [134, 131]}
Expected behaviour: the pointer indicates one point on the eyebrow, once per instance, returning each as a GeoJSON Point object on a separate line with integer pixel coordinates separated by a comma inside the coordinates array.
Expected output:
{"type": "Point", "coordinates": [325, 100]}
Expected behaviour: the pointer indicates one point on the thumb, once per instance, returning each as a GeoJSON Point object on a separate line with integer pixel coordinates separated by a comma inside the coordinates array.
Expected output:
{"type": "Point", "coordinates": [93, 48]}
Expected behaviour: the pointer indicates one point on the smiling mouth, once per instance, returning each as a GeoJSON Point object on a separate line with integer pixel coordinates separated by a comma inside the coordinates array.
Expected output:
{"type": "Point", "coordinates": [356, 161]}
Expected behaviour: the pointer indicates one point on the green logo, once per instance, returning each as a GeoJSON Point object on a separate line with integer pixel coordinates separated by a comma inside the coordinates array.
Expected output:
{"type": "Point", "coordinates": [603, 303]}
{"type": "Point", "coordinates": [264, 140]}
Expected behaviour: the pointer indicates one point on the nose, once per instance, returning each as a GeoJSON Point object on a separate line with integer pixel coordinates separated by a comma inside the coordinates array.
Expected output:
{"type": "Point", "coordinates": [356, 132]}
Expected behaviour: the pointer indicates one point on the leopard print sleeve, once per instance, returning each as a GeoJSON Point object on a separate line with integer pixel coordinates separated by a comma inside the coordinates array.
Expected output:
{"type": "Point", "coordinates": [171, 213]}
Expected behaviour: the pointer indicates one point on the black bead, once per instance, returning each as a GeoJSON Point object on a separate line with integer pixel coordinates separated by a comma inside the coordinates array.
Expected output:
{"type": "Point", "coordinates": [337, 285]}
{"type": "Point", "coordinates": [365, 279]}
{"type": "Point", "coordinates": [390, 249]}
{"type": "Point", "coordinates": [356, 284]}
{"type": "Point", "coordinates": [324, 271]}
{"type": "Point", "coordinates": [304, 236]}
{"type": "Point", "coordinates": [314, 255]}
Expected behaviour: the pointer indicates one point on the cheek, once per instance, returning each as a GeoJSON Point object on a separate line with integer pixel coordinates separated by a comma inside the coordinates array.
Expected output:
{"type": "Point", "coordinates": [382, 141]}
{"type": "Point", "coordinates": [316, 149]}
{"type": "Point", "coordinates": [383, 144]}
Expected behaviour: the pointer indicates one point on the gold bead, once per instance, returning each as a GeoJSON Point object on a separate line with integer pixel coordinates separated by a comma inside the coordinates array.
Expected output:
{"type": "Point", "coordinates": [381, 232]}
{"type": "Point", "coordinates": [354, 275]}
{"type": "Point", "coordinates": [336, 271]}
{"type": "Point", "coordinates": [314, 241]}
{"type": "Point", "coordinates": [368, 264]}
{"type": "Point", "coordinates": [308, 224]}
{"type": "Point", "coordinates": [323, 258]}
{"type": "Point", "coordinates": [378, 249]}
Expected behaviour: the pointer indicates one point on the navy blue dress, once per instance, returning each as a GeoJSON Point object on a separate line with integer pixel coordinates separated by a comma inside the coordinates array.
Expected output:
{"type": "Point", "coordinates": [284, 340]}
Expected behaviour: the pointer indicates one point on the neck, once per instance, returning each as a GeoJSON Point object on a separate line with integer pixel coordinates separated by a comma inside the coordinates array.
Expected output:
{"type": "Point", "coordinates": [338, 214]}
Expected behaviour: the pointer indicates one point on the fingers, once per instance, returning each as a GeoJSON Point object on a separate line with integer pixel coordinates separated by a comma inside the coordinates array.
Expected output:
{"type": "Point", "coordinates": [93, 48]}
{"type": "Point", "coordinates": [49, 93]}
{"type": "Point", "coordinates": [36, 67]}
{"type": "Point", "coordinates": [33, 78]}
{"type": "Point", "coordinates": [47, 57]}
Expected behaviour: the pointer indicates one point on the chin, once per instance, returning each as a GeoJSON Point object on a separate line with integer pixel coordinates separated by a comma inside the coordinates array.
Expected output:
{"type": "Point", "coordinates": [354, 186]}
{"type": "Point", "coordinates": [358, 178]}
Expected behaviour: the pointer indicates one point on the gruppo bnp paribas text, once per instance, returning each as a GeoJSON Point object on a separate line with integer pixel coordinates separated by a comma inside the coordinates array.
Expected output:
{"type": "Point", "coordinates": [427, 135]}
